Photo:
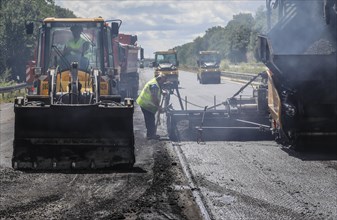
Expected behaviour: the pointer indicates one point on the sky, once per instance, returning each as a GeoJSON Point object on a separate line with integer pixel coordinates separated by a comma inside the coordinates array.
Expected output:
{"type": "Point", "coordinates": [163, 24]}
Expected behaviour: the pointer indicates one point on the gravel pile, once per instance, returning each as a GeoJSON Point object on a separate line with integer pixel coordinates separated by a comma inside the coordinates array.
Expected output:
{"type": "Point", "coordinates": [322, 46]}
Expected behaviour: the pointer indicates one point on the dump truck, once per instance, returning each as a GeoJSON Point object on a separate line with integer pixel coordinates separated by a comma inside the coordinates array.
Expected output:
{"type": "Point", "coordinates": [166, 62]}
{"type": "Point", "coordinates": [126, 52]}
{"type": "Point", "coordinates": [209, 67]}
{"type": "Point", "coordinates": [75, 120]}
{"type": "Point", "coordinates": [300, 52]}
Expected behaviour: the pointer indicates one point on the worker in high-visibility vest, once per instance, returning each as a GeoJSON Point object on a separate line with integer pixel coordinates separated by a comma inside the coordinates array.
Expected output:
{"type": "Point", "coordinates": [149, 102]}
{"type": "Point", "coordinates": [76, 49]}
{"type": "Point", "coordinates": [77, 45]}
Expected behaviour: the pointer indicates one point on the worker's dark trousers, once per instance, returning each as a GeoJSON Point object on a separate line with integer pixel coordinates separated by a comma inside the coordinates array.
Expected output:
{"type": "Point", "coordinates": [150, 122]}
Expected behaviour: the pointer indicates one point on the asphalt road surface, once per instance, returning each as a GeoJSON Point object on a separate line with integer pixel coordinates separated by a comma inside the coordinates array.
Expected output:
{"type": "Point", "coordinates": [178, 180]}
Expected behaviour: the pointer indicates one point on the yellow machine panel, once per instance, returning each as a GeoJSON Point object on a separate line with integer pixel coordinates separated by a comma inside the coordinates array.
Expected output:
{"type": "Point", "coordinates": [44, 87]}
{"type": "Point", "coordinates": [83, 78]}
{"type": "Point", "coordinates": [104, 88]}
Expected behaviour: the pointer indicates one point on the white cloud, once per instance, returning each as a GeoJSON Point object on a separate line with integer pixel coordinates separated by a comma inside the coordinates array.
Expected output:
{"type": "Point", "coordinates": [161, 25]}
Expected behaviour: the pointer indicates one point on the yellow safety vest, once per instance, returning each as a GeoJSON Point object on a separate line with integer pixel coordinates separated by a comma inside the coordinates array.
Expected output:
{"type": "Point", "coordinates": [144, 100]}
{"type": "Point", "coordinates": [75, 45]}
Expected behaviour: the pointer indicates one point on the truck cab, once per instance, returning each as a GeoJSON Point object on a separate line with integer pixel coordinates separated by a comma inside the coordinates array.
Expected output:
{"type": "Point", "coordinates": [208, 67]}
{"type": "Point", "coordinates": [166, 62]}
{"type": "Point", "coordinates": [127, 59]}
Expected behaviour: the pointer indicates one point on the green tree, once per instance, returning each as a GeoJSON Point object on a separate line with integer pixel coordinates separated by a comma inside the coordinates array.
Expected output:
{"type": "Point", "coordinates": [234, 41]}
{"type": "Point", "coordinates": [212, 40]}
{"type": "Point", "coordinates": [13, 39]}
{"type": "Point", "coordinates": [238, 33]}
{"type": "Point", "coordinates": [217, 41]}
{"type": "Point", "coordinates": [184, 54]}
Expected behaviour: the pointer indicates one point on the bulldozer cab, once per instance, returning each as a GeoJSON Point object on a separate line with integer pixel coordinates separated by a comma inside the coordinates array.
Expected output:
{"type": "Point", "coordinates": [86, 49]}
{"type": "Point", "coordinates": [67, 43]}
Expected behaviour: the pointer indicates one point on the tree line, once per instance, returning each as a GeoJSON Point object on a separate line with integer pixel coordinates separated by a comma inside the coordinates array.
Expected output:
{"type": "Point", "coordinates": [236, 42]}
{"type": "Point", "coordinates": [15, 45]}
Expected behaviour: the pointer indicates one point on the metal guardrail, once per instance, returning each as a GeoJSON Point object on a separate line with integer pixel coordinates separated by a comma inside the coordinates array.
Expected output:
{"type": "Point", "coordinates": [232, 75]}
{"type": "Point", "coordinates": [239, 76]}
{"type": "Point", "coordinates": [9, 89]}
{"type": "Point", "coordinates": [12, 89]}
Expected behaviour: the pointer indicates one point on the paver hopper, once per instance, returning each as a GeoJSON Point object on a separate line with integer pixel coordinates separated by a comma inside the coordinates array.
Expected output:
{"type": "Point", "coordinates": [300, 52]}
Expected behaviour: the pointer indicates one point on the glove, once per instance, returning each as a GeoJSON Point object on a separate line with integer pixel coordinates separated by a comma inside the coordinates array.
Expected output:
{"type": "Point", "coordinates": [164, 92]}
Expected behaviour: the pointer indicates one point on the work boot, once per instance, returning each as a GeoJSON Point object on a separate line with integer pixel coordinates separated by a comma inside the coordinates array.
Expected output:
{"type": "Point", "coordinates": [153, 137]}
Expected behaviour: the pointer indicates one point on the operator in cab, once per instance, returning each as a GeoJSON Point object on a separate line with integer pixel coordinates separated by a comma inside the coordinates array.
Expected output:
{"type": "Point", "coordinates": [149, 102]}
{"type": "Point", "coordinates": [76, 49]}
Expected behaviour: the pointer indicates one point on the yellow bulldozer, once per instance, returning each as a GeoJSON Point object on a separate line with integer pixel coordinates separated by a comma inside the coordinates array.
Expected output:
{"type": "Point", "coordinates": [75, 120]}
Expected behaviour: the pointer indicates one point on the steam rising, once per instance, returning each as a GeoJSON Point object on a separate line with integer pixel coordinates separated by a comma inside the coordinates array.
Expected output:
{"type": "Point", "coordinates": [303, 27]}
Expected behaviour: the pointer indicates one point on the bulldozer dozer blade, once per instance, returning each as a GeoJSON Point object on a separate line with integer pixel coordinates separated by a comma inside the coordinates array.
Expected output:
{"type": "Point", "coordinates": [73, 137]}
{"type": "Point", "coordinates": [216, 125]}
